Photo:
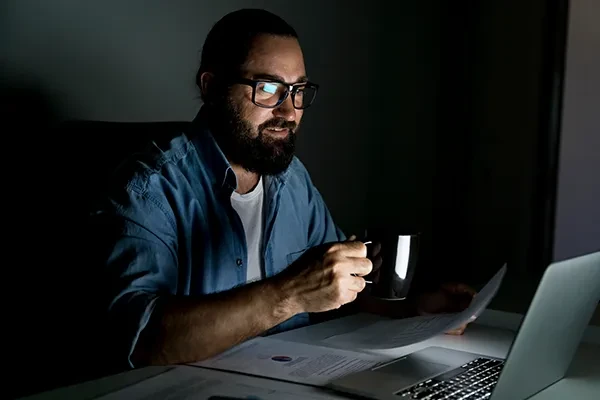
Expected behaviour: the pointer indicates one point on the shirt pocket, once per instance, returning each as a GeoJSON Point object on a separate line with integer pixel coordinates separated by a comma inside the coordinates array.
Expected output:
{"type": "Point", "coordinates": [293, 256]}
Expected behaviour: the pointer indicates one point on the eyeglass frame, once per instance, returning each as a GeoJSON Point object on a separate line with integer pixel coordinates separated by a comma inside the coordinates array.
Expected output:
{"type": "Point", "coordinates": [290, 88]}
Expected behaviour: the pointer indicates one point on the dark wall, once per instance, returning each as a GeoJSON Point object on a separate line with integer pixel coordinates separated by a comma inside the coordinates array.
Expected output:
{"type": "Point", "coordinates": [500, 69]}
{"type": "Point", "coordinates": [577, 223]}
{"type": "Point", "coordinates": [529, 189]}
{"type": "Point", "coordinates": [482, 166]}
{"type": "Point", "coordinates": [504, 121]}
{"type": "Point", "coordinates": [577, 229]}
{"type": "Point", "coordinates": [401, 182]}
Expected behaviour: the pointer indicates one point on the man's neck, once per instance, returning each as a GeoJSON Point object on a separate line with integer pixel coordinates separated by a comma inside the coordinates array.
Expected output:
{"type": "Point", "coordinates": [246, 180]}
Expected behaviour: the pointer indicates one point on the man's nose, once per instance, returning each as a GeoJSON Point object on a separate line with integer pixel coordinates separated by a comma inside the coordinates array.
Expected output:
{"type": "Point", "coordinates": [286, 110]}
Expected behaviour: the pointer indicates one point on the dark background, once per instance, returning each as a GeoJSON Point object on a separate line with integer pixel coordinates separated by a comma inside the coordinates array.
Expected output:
{"type": "Point", "coordinates": [473, 122]}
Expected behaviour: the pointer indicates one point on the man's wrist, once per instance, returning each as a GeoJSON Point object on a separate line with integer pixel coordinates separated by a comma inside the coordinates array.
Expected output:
{"type": "Point", "coordinates": [282, 302]}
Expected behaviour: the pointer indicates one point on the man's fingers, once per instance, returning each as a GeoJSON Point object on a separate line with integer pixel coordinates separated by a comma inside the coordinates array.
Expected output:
{"type": "Point", "coordinates": [457, 331]}
{"type": "Point", "coordinates": [359, 266]}
{"type": "Point", "coordinates": [349, 249]}
{"type": "Point", "coordinates": [461, 329]}
{"type": "Point", "coordinates": [357, 284]}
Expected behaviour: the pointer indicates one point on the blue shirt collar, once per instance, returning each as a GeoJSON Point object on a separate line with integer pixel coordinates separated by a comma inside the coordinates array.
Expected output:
{"type": "Point", "coordinates": [211, 153]}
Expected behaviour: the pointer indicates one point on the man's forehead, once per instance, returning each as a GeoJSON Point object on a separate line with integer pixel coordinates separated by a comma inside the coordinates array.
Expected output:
{"type": "Point", "coordinates": [276, 57]}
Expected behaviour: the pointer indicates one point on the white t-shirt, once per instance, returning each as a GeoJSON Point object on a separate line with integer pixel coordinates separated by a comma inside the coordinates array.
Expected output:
{"type": "Point", "coordinates": [249, 207]}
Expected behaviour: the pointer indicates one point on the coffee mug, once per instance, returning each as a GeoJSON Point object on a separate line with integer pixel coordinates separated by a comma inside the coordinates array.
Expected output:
{"type": "Point", "coordinates": [394, 258]}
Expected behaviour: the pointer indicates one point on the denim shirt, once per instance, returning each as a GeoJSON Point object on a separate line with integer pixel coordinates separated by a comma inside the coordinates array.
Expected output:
{"type": "Point", "coordinates": [177, 233]}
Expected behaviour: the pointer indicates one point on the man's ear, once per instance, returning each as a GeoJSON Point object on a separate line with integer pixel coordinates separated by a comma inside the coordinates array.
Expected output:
{"type": "Point", "coordinates": [207, 83]}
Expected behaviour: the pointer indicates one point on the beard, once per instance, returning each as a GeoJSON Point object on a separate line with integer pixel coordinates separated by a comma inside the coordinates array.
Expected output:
{"type": "Point", "coordinates": [239, 141]}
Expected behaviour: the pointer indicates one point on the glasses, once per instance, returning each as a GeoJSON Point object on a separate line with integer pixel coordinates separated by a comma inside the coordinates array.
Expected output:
{"type": "Point", "coordinates": [270, 94]}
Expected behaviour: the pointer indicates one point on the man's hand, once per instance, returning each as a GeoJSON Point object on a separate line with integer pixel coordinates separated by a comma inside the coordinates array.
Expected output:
{"type": "Point", "coordinates": [450, 298]}
{"type": "Point", "coordinates": [325, 277]}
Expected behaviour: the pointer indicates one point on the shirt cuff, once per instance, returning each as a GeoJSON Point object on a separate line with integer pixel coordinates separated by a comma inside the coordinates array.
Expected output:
{"type": "Point", "coordinates": [133, 316]}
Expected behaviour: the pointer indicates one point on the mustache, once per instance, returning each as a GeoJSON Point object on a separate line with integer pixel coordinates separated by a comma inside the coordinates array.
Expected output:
{"type": "Point", "coordinates": [278, 123]}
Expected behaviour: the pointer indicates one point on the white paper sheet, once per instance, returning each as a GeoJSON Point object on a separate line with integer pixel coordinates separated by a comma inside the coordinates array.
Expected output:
{"type": "Point", "coordinates": [403, 332]}
{"type": "Point", "coordinates": [188, 383]}
{"type": "Point", "coordinates": [292, 362]}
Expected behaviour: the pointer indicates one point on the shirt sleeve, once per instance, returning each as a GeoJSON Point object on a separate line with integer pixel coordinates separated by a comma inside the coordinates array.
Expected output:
{"type": "Point", "coordinates": [322, 228]}
{"type": "Point", "coordinates": [139, 238]}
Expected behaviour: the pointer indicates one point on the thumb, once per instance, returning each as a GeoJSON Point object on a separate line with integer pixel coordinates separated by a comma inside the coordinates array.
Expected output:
{"type": "Point", "coordinates": [351, 238]}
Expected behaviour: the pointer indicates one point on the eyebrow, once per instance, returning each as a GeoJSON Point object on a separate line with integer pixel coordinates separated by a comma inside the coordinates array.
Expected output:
{"type": "Point", "coordinates": [277, 78]}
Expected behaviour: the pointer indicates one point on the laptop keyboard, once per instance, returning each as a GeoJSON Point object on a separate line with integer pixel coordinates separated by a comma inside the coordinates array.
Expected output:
{"type": "Point", "coordinates": [472, 381]}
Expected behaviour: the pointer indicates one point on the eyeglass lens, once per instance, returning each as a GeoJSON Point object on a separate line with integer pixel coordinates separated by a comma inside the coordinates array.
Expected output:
{"type": "Point", "coordinates": [268, 94]}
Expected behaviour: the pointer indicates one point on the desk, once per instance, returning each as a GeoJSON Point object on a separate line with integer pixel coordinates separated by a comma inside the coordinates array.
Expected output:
{"type": "Point", "coordinates": [491, 334]}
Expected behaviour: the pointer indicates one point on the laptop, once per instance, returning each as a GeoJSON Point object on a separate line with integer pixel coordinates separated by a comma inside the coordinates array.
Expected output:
{"type": "Point", "coordinates": [540, 354]}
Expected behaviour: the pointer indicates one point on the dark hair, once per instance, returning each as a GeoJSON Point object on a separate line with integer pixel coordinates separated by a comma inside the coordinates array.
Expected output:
{"type": "Point", "coordinates": [228, 42]}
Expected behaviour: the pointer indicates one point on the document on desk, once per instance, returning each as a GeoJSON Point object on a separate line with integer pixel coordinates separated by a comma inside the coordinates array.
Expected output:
{"type": "Point", "coordinates": [188, 383]}
{"type": "Point", "coordinates": [403, 332]}
{"type": "Point", "coordinates": [292, 362]}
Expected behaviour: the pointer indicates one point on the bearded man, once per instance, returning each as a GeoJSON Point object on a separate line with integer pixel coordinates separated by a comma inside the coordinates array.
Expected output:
{"type": "Point", "coordinates": [218, 234]}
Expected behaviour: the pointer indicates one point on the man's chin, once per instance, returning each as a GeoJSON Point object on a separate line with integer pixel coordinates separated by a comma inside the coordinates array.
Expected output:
{"type": "Point", "coordinates": [273, 166]}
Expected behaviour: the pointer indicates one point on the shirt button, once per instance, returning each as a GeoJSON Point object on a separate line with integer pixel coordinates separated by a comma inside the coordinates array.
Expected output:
{"type": "Point", "coordinates": [239, 262]}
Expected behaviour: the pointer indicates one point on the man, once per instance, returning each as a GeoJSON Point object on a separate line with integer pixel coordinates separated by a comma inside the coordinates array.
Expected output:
{"type": "Point", "coordinates": [219, 233]}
